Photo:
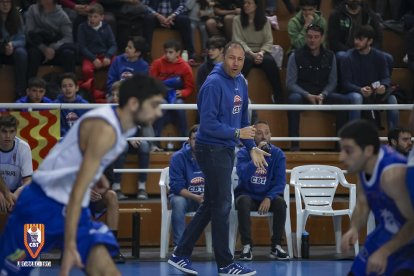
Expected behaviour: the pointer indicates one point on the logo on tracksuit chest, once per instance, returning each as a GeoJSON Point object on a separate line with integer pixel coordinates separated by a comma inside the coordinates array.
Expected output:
{"type": "Point", "coordinates": [237, 104]}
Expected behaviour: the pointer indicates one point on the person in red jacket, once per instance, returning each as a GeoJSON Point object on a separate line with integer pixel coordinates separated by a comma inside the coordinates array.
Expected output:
{"type": "Point", "coordinates": [177, 75]}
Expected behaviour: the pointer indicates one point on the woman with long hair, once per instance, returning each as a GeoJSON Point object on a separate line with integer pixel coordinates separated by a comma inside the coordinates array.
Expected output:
{"type": "Point", "coordinates": [253, 31]}
{"type": "Point", "coordinates": [12, 44]}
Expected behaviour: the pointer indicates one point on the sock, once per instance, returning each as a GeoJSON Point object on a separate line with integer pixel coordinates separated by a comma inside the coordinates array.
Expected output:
{"type": "Point", "coordinates": [115, 233]}
{"type": "Point", "coordinates": [141, 185]}
{"type": "Point", "coordinates": [116, 186]}
{"type": "Point", "coordinates": [246, 248]}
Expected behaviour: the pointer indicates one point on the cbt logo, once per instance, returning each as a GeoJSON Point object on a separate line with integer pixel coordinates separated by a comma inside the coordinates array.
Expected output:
{"type": "Point", "coordinates": [34, 238]}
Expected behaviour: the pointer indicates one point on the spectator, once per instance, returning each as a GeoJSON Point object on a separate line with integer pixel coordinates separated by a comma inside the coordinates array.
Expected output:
{"type": "Point", "coordinates": [49, 37]}
{"type": "Point", "coordinates": [129, 62]}
{"type": "Point", "coordinates": [215, 48]}
{"type": "Point", "coordinates": [400, 140]}
{"type": "Point", "coordinates": [199, 12]}
{"type": "Point", "coordinates": [70, 88]}
{"type": "Point", "coordinates": [15, 157]}
{"type": "Point", "coordinates": [365, 72]}
{"type": "Point", "coordinates": [261, 190]}
{"type": "Point", "coordinates": [178, 77]}
{"type": "Point", "coordinates": [225, 11]}
{"type": "Point", "coordinates": [253, 31]}
{"type": "Point", "coordinates": [186, 185]}
{"type": "Point", "coordinates": [36, 90]}
{"type": "Point", "coordinates": [298, 24]}
{"type": "Point", "coordinates": [169, 14]}
{"type": "Point", "coordinates": [311, 78]}
{"type": "Point", "coordinates": [12, 44]}
{"type": "Point", "coordinates": [97, 45]}
{"type": "Point", "coordinates": [106, 203]}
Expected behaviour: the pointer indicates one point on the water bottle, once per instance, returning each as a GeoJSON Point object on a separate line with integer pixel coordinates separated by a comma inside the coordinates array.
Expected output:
{"type": "Point", "coordinates": [184, 55]}
{"type": "Point", "coordinates": [305, 245]}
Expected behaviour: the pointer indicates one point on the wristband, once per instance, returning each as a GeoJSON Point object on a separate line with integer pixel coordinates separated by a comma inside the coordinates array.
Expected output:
{"type": "Point", "coordinates": [237, 133]}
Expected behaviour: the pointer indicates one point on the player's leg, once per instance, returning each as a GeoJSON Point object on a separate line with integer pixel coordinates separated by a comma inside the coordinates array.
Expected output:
{"type": "Point", "coordinates": [100, 262]}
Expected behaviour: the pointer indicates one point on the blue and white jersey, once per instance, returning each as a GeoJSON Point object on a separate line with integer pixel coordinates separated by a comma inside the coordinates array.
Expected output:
{"type": "Point", "coordinates": [386, 212]}
{"type": "Point", "coordinates": [410, 175]}
{"type": "Point", "coordinates": [16, 164]}
{"type": "Point", "coordinates": [57, 174]}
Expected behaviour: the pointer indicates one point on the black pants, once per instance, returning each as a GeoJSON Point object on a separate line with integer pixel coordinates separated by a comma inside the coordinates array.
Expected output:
{"type": "Point", "coordinates": [64, 56]}
{"type": "Point", "coordinates": [181, 24]}
{"type": "Point", "coordinates": [245, 204]}
{"type": "Point", "coordinates": [271, 71]}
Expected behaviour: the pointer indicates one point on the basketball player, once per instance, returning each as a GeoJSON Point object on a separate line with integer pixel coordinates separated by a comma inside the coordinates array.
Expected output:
{"type": "Point", "coordinates": [59, 194]}
{"type": "Point", "coordinates": [389, 249]}
{"type": "Point", "coordinates": [410, 164]}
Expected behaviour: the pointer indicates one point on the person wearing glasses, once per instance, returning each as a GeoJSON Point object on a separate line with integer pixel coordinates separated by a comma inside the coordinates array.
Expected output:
{"type": "Point", "coordinates": [311, 78]}
{"type": "Point", "coordinates": [308, 14]}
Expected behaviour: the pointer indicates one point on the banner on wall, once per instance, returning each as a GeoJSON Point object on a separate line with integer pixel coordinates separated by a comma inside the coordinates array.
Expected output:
{"type": "Point", "coordinates": [41, 129]}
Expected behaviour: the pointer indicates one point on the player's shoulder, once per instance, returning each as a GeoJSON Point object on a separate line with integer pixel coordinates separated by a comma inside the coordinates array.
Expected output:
{"type": "Point", "coordinates": [23, 144]}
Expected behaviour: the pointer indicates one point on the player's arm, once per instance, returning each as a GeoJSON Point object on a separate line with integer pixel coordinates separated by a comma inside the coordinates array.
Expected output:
{"type": "Point", "coordinates": [8, 198]}
{"type": "Point", "coordinates": [96, 139]}
{"type": "Point", "coordinates": [394, 185]}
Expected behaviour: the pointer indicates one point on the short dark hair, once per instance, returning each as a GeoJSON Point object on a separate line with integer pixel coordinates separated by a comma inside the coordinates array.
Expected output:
{"type": "Point", "coordinates": [96, 8]}
{"type": "Point", "coordinates": [173, 44]}
{"type": "Point", "coordinates": [192, 130]}
{"type": "Point", "coordinates": [315, 28]}
{"type": "Point", "coordinates": [8, 120]}
{"type": "Point", "coordinates": [261, 122]}
{"type": "Point", "coordinates": [365, 31]}
{"type": "Point", "coordinates": [231, 44]}
{"type": "Point", "coordinates": [363, 132]}
{"type": "Point", "coordinates": [36, 82]}
{"type": "Point", "coordinates": [303, 3]}
{"type": "Point", "coordinates": [69, 75]}
{"type": "Point", "coordinates": [140, 44]}
{"type": "Point", "coordinates": [394, 133]}
{"type": "Point", "coordinates": [140, 87]}
{"type": "Point", "coordinates": [216, 42]}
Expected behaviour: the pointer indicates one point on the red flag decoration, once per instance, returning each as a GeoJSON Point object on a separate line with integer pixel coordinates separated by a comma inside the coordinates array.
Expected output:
{"type": "Point", "coordinates": [41, 129]}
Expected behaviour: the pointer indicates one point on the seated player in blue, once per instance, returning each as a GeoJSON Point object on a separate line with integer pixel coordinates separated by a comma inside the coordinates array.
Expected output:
{"type": "Point", "coordinates": [389, 249]}
{"type": "Point", "coordinates": [57, 199]}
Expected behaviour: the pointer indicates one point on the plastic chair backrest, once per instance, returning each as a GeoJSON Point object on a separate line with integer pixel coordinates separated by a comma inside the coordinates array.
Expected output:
{"type": "Point", "coordinates": [317, 184]}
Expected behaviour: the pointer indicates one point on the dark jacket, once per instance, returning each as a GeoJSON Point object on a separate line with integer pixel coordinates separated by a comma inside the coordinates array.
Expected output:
{"type": "Point", "coordinates": [341, 27]}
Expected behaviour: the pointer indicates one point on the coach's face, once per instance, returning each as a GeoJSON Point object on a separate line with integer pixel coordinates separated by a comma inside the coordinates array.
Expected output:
{"type": "Point", "coordinates": [233, 60]}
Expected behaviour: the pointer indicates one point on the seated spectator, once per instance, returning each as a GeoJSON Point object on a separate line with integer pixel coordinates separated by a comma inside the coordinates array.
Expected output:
{"type": "Point", "coordinates": [49, 37]}
{"type": "Point", "coordinates": [311, 78]}
{"type": "Point", "coordinates": [128, 63]}
{"type": "Point", "coordinates": [35, 92]}
{"type": "Point", "coordinates": [344, 22]}
{"type": "Point", "coordinates": [186, 185]}
{"type": "Point", "coordinates": [171, 15]}
{"type": "Point", "coordinates": [365, 73]}
{"type": "Point", "coordinates": [199, 12]}
{"type": "Point", "coordinates": [222, 24]}
{"type": "Point", "coordinates": [400, 140]}
{"type": "Point", "coordinates": [12, 44]}
{"type": "Point", "coordinates": [70, 88]}
{"type": "Point", "coordinates": [215, 48]}
{"type": "Point", "coordinates": [252, 29]}
{"type": "Point", "coordinates": [410, 58]}
{"type": "Point", "coordinates": [298, 24]}
{"type": "Point", "coordinates": [178, 77]}
{"type": "Point", "coordinates": [97, 45]}
{"type": "Point", "coordinates": [106, 202]}
{"type": "Point", "coordinates": [15, 157]}
{"type": "Point", "coordinates": [261, 190]}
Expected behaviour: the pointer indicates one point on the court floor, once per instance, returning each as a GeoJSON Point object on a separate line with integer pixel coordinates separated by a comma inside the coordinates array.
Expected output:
{"type": "Point", "coordinates": [323, 262]}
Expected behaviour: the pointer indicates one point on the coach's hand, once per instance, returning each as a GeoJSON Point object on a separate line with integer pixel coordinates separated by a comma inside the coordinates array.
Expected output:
{"type": "Point", "coordinates": [377, 262]}
{"type": "Point", "coordinates": [258, 157]}
{"type": "Point", "coordinates": [71, 258]}
{"type": "Point", "coordinates": [247, 132]}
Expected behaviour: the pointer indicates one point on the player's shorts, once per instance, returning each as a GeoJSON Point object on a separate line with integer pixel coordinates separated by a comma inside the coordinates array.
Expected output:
{"type": "Point", "coordinates": [19, 243]}
{"type": "Point", "coordinates": [401, 260]}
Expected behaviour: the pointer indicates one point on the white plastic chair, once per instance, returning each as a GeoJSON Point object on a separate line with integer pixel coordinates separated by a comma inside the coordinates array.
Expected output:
{"type": "Point", "coordinates": [316, 186]}
{"type": "Point", "coordinates": [269, 215]}
{"type": "Point", "coordinates": [166, 217]}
